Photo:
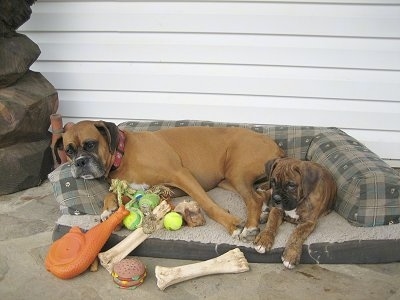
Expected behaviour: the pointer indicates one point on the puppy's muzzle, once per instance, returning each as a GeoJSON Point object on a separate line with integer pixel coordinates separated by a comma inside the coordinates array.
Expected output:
{"type": "Point", "coordinates": [277, 199]}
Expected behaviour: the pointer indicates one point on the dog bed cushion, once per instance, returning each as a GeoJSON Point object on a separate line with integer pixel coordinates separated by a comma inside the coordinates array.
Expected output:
{"type": "Point", "coordinates": [368, 188]}
{"type": "Point", "coordinates": [77, 196]}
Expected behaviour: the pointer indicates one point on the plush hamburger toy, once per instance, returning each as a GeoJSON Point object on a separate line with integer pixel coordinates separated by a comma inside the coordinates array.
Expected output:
{"type": "Point", "coordinates": [129, 273]}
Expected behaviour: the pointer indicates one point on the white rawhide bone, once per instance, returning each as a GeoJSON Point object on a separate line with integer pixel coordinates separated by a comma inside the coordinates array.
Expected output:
{"type": "Point", "coordinates": [114, 255]}
{"type": "Point", "coordinates": [232, 261]}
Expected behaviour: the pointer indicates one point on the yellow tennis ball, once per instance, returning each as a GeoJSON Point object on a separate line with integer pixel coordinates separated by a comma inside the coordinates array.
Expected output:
{"type": "Point", "coordinates": [173, 221]}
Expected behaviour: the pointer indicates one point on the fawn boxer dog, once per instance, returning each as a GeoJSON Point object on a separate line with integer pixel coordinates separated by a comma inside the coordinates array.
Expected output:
{"type": "Point", "coordinates": [191, 159]}
{"type": "Point", "coordinates": [300, 192]}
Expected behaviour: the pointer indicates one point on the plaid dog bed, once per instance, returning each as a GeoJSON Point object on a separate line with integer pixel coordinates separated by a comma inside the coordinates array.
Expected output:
{"type": "Point", "coordinates": [368, 188]}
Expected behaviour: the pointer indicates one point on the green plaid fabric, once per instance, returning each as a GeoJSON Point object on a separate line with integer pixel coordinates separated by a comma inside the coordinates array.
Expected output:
{"type": "Point", "coordinates": [295, 140]}
{"type": "Point", "coordinates": [77, 196]}
{"type": "Point", "coordinates": [368, 188]}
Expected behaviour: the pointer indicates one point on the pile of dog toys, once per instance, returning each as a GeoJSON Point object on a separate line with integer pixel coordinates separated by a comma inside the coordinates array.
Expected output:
{"type": "Point", "coordinates": [141, 202]}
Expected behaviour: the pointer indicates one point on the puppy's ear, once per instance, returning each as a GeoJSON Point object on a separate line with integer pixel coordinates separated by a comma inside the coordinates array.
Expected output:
{"type": "Point", "coordinates": [269, 168]}
{"type": "Point", "coordinates": [309, 179]}
{"type": "Point", "coordinates": [110, 132]}
{"type": "Point", "coordinates": [58, 145]}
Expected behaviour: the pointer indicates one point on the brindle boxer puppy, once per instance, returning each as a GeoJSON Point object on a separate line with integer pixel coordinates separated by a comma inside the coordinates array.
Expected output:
{"type": "Point", "coordinates": [192, 159]}
{"type": "Point", "coordinates": [300, 193]}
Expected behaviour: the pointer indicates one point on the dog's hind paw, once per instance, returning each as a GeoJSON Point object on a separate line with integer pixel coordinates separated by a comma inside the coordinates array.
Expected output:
{"type": "Point", "coordinates": [236, 233]}
{"type": "Point", "coordinates": [249, 234]}
{"type": "Point", "coordinates": [245, 234]}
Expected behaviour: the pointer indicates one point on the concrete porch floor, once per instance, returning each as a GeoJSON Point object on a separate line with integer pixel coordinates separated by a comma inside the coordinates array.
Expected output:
{"type": "Point", "coordinates": [27, 219]}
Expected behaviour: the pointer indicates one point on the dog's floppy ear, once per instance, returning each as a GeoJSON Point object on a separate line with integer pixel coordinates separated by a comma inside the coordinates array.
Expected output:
{"type": "Point", "coordinates": [110, 132]}
{"type": "Point", "coordinates": [58, 145]}
{"type": "Point", "coordinates": [309, 179]}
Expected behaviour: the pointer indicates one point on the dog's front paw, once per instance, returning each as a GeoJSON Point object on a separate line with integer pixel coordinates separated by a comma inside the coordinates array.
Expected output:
{"type": "Point", "coordinates": [105, 215]}
{"type": "Point", "coordinates": [264, 241]}
{"type": "Point", "coordinates": [291, 257]}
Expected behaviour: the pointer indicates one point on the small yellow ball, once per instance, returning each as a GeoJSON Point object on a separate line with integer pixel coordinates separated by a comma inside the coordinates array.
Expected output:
{"type": "Point", "coordinates": [173, 221]}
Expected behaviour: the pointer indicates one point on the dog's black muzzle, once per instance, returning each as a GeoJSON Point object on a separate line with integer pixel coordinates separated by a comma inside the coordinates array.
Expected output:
{"type": "Point", "coordinates": [283, 201]}
{"type": "Point", "coordinates": [87, 167]}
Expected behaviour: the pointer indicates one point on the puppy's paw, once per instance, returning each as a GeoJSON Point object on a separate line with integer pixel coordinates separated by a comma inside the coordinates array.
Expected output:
{"type": "Point", "coordinates": [249, 234]}
{"type": "Point", "coordinates": [260, 249]}
{"type": "Point", "coordinates": [287, 264]}
{"type": "Point", "coordinates": [263, 242]}
{"type": "Point", "coordinates": [290, 258]}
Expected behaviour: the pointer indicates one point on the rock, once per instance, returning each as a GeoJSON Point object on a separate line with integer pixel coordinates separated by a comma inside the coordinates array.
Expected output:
{"type": "Point", "coordinates": [14, 13]}
{"type": "Point", "coordinates": [25, 109]}
{"type": "Point", "coordinates": [17, 54]}
{"type": "Point", "coordinates": [24, 165]}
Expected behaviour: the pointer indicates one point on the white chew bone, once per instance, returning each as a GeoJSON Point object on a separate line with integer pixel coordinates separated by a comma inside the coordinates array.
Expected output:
{"type": "Point", "coordinates": [114, 255]}
{"type": "Point", "coordinates": [232, 261]}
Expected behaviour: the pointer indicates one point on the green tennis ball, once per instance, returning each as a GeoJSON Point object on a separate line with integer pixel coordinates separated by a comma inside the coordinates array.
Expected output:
{"type": "Point", "coordinates": [134, 219]}
{"type": "Point", "coordinates": [149, 200]}
{"type": "Point", "coordinates": [173, 221]}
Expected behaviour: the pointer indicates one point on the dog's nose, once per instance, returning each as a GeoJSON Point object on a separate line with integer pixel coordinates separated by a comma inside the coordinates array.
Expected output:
{"type": "Point", "coordinates": [277, 199]}
{"type": "Point", "coordinates": [81, 162]}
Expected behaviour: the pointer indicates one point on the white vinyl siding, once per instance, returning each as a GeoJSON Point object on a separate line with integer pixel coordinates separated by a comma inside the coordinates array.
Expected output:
{"type": "Point", "coordinates": [316, 63]}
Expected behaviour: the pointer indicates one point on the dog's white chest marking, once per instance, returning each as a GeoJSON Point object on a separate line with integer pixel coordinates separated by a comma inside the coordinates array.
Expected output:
{"type": "Point", "coordinates": [292, 213]}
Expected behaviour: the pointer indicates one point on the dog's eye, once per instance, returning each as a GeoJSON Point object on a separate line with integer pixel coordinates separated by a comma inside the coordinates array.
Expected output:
{"type": "Point", "coordinates": [70, 150]}
{"type": "Point", "coordinates": [292, 186]}
{"type": "Point", "coordinates": [90, 145]}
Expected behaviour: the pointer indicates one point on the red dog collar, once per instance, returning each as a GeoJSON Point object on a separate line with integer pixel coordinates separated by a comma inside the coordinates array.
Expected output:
{"type": "Point", "coordinates": [119, 152]}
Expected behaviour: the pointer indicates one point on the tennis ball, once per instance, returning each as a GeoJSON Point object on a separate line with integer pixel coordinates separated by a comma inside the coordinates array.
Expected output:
{"type": "Point", "coordinates": [149, 200]}
{"type": "Point", "coordinates": [173, 221]}
{"type": "Point", "coordinates": [134, 219]}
